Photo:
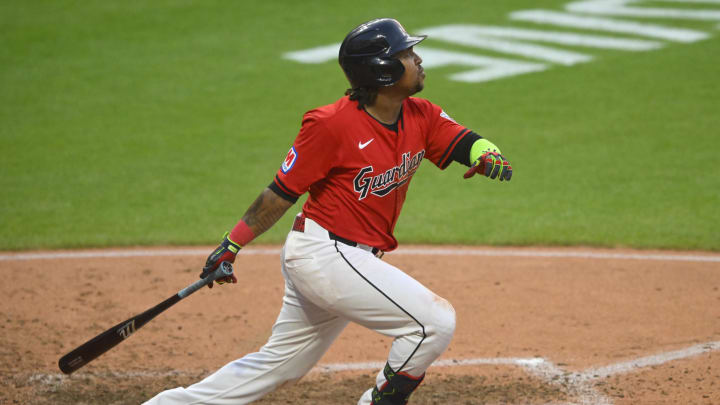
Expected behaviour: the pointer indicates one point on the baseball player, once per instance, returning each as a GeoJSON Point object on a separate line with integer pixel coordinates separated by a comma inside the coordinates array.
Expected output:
{"type": "Point", "coordinates": [355, 158]}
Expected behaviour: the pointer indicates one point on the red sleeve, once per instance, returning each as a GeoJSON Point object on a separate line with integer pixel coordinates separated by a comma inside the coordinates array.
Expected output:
{"type": "Point", "coordinates": [309, 159]}
{"type": "Point", "coordinates": [443, 135]}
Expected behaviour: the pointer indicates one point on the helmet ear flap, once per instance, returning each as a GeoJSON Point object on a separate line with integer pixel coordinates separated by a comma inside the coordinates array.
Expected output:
{"type": "Point", "coordinates": [386, 70]}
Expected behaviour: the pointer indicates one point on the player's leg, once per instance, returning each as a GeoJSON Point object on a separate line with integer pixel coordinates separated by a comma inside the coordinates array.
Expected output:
{"type": "Point", "coordinates": [358, 286]}
{"type": "Point", "coordinates": [421, 322]}
{"type": "Point", "coordinates": [301, 335]}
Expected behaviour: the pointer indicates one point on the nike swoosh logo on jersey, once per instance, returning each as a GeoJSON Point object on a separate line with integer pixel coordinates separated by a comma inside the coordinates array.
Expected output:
{"type": "Point", "coordinates": [363, 145]}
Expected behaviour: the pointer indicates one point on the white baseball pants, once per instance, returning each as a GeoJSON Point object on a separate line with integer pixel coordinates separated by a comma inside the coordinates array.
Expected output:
{"type": "Point", "coordinates": [327, 285]}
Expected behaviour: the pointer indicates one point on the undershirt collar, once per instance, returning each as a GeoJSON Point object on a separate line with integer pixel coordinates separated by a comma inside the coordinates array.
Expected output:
{"type": "Point", "coordinates": [393, 127]}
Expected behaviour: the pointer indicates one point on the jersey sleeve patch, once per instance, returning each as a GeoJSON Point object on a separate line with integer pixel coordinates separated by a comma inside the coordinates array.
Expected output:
{"type": "Point", "coordinates": [446, 116]}
{"type": "Point", "coordinates": [290, 160]}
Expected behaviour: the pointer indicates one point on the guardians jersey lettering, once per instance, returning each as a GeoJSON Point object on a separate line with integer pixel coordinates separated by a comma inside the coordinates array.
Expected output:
{"type": "Point", "coordinates": [357, 187]}
{"type": "Point", "coordinates": [382, 184]}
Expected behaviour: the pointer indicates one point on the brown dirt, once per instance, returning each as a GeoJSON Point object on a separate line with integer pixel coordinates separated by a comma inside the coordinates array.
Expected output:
{"type": "Point", "coordinates": [576, 313]}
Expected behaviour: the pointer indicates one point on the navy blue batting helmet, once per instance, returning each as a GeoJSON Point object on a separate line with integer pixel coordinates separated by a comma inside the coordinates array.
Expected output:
{"type": "Point", "coordinates": [366, 54]}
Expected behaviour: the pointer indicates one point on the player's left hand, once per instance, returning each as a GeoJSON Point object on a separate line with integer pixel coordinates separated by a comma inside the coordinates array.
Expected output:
{"type": "Point", "coordinates": [226, 252]}
{"type": "Point", "coordinates": [491, 164]}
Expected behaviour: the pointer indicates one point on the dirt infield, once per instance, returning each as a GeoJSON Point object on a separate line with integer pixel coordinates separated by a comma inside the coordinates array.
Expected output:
{"type": "Point", "coordinates": [534, 326]}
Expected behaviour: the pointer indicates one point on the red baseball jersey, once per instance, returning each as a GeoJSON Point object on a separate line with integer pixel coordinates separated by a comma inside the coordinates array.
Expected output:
{"type": "Point", "coordinates": [357, 170]}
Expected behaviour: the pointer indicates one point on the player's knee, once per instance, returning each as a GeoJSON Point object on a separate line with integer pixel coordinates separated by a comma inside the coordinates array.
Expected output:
{"type": "Point", "coordinates": [442, 327]}
{"type": "Point", "coordinates": [445, 317]}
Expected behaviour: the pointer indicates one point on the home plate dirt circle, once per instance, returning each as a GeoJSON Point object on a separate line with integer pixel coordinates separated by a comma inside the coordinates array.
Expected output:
{"type": "Point", "coordinates": [534, 326]}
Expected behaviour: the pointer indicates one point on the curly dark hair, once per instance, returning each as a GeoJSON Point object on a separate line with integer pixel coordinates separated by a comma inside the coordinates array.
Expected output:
{"type": "Point", "coordinates": [363, 95]}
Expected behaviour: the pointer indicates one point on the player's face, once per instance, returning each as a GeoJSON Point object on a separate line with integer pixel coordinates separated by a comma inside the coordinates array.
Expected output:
{"type": "Point", "coordinates": [414, 77]}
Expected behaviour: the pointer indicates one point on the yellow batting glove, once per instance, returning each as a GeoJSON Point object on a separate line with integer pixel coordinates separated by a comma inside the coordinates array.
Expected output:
{"type": "Point", "coordinates": [488, 160]}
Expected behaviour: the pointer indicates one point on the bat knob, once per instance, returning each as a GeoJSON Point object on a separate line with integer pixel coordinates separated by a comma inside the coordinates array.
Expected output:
{"type": "Point", "coordinates": [226, 268]}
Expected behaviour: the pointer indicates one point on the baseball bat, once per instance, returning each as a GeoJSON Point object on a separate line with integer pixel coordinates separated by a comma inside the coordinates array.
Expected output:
{"type": "Point", "coordinates": [105, 341]}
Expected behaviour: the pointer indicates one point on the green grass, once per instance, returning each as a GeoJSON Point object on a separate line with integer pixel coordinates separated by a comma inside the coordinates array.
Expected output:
{"type": "Point", "coordinates": [141, 123]}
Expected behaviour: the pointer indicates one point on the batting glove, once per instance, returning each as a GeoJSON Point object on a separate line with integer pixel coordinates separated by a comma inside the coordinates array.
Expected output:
{"type": "Point", "coordinates": [491, 164]}
{"type": "Point", "coordinates": [226, 252]}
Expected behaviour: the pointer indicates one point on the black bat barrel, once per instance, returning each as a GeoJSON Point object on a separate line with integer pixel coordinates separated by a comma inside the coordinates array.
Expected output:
{"type": "Point", "coordinates": [105, 341]}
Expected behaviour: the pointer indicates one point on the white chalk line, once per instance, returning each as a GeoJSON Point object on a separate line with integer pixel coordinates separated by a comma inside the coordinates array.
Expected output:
{"type": "Point", "coordinates": [649, 361]}
{"type": "Point", "coordinates": [410, 251]}
{"type": "Point", "coordinates": [377, 365]}
{"type": "Point", "coordinates": [579, 385]}
{"type": "Point", "coordinates": [560, 254]}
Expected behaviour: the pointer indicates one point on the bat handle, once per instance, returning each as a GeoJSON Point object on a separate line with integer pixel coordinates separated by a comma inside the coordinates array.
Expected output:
{"type": "Point", "coordinates": [224, 269]}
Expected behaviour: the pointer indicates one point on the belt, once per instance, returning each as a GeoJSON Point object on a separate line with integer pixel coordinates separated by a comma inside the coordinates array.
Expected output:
{"type": "Point", "coordinates": [299, 226]}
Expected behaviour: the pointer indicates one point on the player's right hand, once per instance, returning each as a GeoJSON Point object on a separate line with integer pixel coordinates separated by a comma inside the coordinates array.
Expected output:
{"type": "Point", "coordinates": [226, 252]}
{"type": "Point", "coordinates": [491, 164]}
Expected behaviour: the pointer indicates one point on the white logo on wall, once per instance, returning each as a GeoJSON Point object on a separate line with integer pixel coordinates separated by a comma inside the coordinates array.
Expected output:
{"type": "Point", "coordinates": [541, 45]}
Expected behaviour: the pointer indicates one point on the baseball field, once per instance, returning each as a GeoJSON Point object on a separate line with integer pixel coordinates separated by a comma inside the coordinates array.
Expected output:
{"type": "Point", "coordinates": [133, 134]}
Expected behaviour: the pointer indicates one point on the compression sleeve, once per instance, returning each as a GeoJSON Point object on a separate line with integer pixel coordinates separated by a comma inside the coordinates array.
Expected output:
{"type": "Point", "coordinates": [462, 151]}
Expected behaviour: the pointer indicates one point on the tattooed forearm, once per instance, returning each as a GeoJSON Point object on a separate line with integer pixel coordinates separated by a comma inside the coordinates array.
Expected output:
{"type": "Point", "coordinates": [267, 209]}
